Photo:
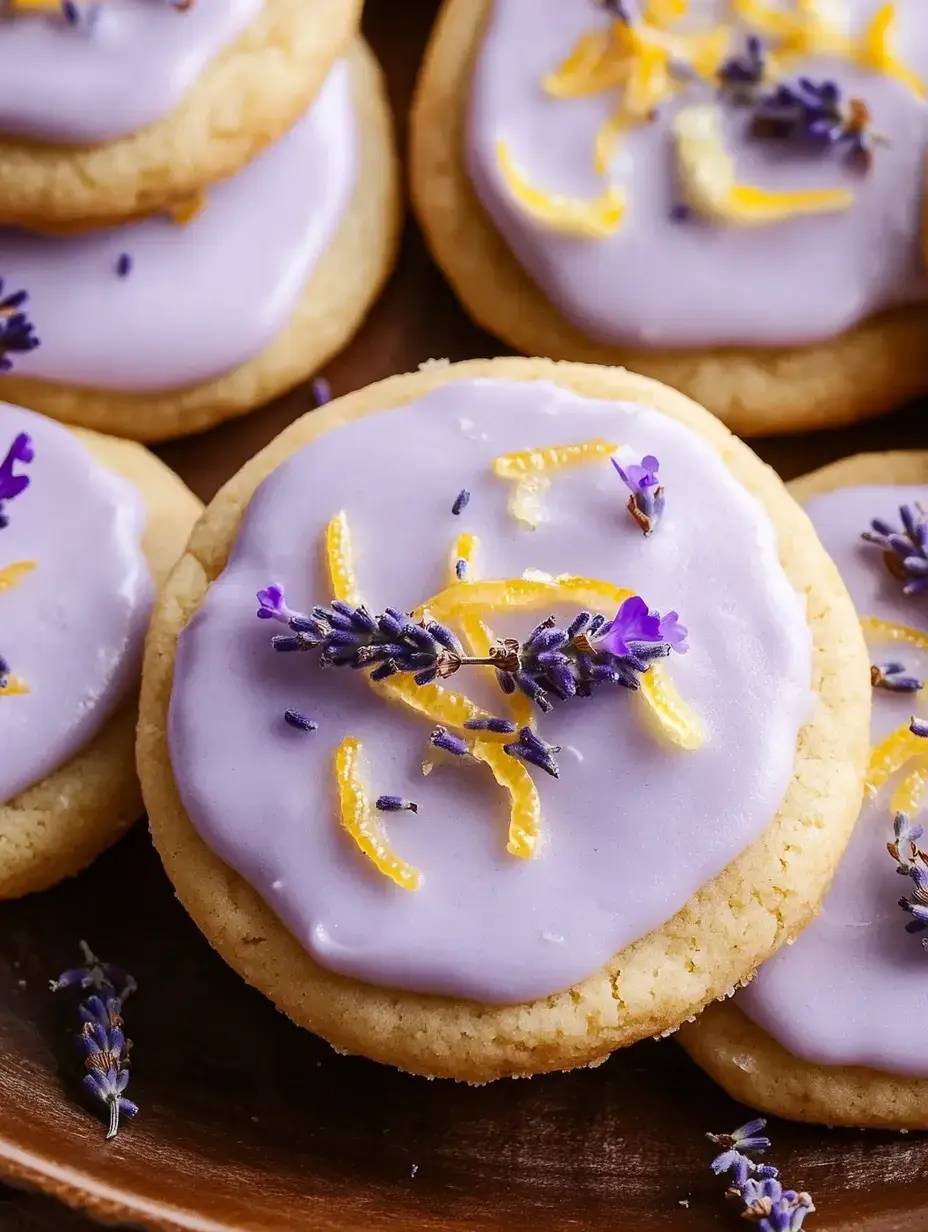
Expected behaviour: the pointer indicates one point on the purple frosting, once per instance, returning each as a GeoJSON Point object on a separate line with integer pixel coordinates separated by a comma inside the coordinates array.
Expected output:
{"type": "Point", "coordinates": [124, 64]}
{"type": "Point", "coordinates": [200, 299]}
{"type": "Point", "coordinates": [73, 628]}
{"type": "Point", "coordinates": [852, 988]}
{"type": "Point", "coordinates": [657, 282]}
{"type": "Point", "coordinates": [632, 828]}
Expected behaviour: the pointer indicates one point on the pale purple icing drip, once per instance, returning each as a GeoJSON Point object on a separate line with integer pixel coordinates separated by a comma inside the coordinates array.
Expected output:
{"type": "Point", "coordinates": [662, 283]}
{"type": "Point", "coordinates": [852, 988]}
{"type": "Point", "coordinates": [203, 298]}
{"type": "Point", "coordinates": [89, 83]}
{"type": "Point", "coordinates": [74, 627]}
{"type": "Point", "coordinates": [632, 828]}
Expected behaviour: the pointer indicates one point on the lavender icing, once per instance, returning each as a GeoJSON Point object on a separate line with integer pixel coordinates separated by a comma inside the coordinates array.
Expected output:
{"type": "Point", "coordinates": [849, 989]}
{"type": "Point", "coordinates": [657, 282]}
{"type": "Point", "coordinates": [199, 299]}
{"type": "Point", "coordinates": [125, 64]}
{"type": "Point", "coordinates": [73, 628]}
{"type": "Point", "coordinates": [632, 828]}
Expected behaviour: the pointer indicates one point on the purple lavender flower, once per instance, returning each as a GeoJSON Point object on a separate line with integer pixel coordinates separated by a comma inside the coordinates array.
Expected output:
{"type": "Point", "coordinates": [894, 678]}
{"type": "Point", "coordinates": [273, 606]}
{"type": "Point", "coordinates": [299, 721]}
{"type": "Point", "coordinates": [537, 752]}
{"type": "Point", "coordinates": [646, 503]}
{"type": "Point", "coordinates": [905, 553]}
{"type": "Point", "coordinates": [740, 76]}
{"type": "Point", "coordinates": [322, 391]}
{"type": "Point", "coordinates": [448, 742]}
{"type": "Point", "coordinates": [766, 1202]}
{"type": "Point", "coordinates": [16, 330]}
{"type": "Point", "coordinates": [619, 10]}
{"type": "Point", "coordinates": [904, 847]}
{"type": "Point", "coordinates": [917, 903]}
{"type": "Point", "coordinates": [11, 484]}
{"type": "Point", "coordinates": [96, 974]}
{"type": "Point", "coordinates": [396, 804]}
{"type": "Point", "coordinates": [635, 623]}
{"type": "Point", "coordinates": [461, 501]}
{"type": "Point", "coordinates": [102, 1040]}
{"type": "Point", "coordinates": [814, 115]}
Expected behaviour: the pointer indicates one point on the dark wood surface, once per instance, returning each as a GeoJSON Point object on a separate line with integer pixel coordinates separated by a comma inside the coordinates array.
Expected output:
{"type": "Point", "coordinates": [249, 1123]}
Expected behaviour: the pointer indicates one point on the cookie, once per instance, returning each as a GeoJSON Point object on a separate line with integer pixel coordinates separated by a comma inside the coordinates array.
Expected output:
{"type": "Point", "coordinates": [570, 227]}
{"type": "Point", "coordinates": [824, 1032]}
{"type": "Point", "coordinates": [565, 877]}
{"type": "Point", "coordinates": [88, 526]}
{"type": "Point", "coordinates": [176, 336]}
{"type": "Point", "coordinates": [135, 108]}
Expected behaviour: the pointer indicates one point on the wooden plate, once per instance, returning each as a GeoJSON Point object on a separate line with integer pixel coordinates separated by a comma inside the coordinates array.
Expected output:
{"type": "Point", "coordinates": [248, 1122]}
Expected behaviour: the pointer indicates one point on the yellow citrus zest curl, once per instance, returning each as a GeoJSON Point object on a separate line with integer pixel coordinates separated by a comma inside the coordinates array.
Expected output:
{"type": "Point", "coordinates": [358, 819]}
{"type": "Point", "coordinates": [887, 631]}
{"type": "Point", "coordinates": [811, 29]}
{"type": "Point", "coordinates": [909, 796]}
{"type": "Point", "coordinates": [875, 51]}
{"type": "Point", "coordinates": [339, 559]}
{"type": "Point", "coordinates": [531, 469]}
{"type": "Point", "coordinates": [709, 185]}
{"type": "Point", "coordinates": [12, 575]}
{"type": "Point", "coordinates": [595, 219]}
{"type": "Point", "coordinates": [890, 755]}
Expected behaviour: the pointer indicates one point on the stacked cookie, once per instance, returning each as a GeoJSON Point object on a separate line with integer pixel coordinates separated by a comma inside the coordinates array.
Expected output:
{"type": "Point", "coordinates": [727, 197]}
{"type": "Point", "coordinates": [204, 202]}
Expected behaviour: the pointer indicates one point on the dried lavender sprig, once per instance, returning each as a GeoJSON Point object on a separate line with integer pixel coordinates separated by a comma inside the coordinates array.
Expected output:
{"type": "Point", "coordinates": [814, 115]}
{"type": "Point", "coordinates": [905, 552]}
{"type": "Point", "coordinates": [894, 678]}
{"type": "Point", "coordinates": [103, 1042]}
{"type": "Point", "coordinates": [766, 1202]}
{"type": "Point", "coordinates": [565, 662]}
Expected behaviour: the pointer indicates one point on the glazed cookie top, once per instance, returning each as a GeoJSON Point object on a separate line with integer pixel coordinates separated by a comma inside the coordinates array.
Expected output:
{"type": "Point", "coordinates": [723, 172]}
{"type": "Point", "coordinates": [156, 305]}
{"type": "Point", "coordinates": [86, 72]}
{"type": "Point", "coordinates": [499, 500]}
{"type": "Point", "coordinates": [850, 988]}
{"type": "Point", "coordinates": [75, 594]}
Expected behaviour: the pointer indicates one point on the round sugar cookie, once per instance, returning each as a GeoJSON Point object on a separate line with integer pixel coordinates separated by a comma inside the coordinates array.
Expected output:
{"type": "Point", "coordinates": [826, 1034]}
{"type": "Point", "coordinates": [147, 367]}
{"type": "Point", "coordinates": [247, 96]}
{"type": "Point", "coordinates": [100, 525]}
{"type": "Point", "coordinates": [613, 912]}
{"type": "Point", "coordinates": [866, 361]}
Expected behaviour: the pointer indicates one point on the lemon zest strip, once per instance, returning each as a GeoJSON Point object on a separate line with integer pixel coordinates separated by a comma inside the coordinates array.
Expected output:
{"type": "Point", "coordinates": [887, 630]}
{"type": "Point", "coordinates": [890, 755]}
{"type": "Point", "coordinates": [876, 53]}
{"type": "Point", "coordinates": [359, 821]}
{"type": "Point", "coordinates": [596, 219]}
{"type": "Point", "coordinates": [909, 796]}
{"type": "Point", "coordinates": [12, 575]}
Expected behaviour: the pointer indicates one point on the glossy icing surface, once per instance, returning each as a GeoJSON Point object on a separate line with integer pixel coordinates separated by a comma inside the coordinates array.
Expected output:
{"type": "Point", "coordinates": [125, 64]}
{"type": "Point", "coordinates": [849, 989]}
{"type": "Point", "coordinates": [199, 299]}
{"type": "Point", "coordinates": [657, 282]}
{"type": "Point", "coordinates": [73, 628]}
{"type": "Point", "coordinates": [484, 924]}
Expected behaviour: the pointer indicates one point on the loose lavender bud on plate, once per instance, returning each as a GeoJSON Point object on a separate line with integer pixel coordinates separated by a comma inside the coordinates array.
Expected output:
{"type": "Point", "coordinates": [460, 502]}
{"type": "Point", "coordinates": [300, 721]}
